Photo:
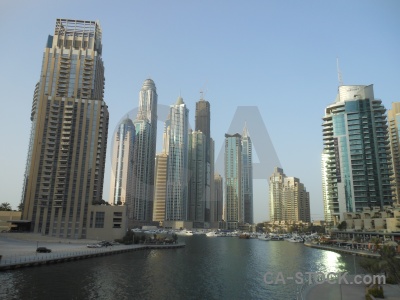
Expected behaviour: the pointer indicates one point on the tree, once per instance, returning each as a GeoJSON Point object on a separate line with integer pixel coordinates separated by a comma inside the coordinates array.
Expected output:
{"type": "Point", "coordinates": [387, 263]}
{"type": "Point", "coordinates": [20, 206]}
{"type": "Point", "coordinates": [5, 206]}
{"type": "Point", "coordinates": [342, 226]}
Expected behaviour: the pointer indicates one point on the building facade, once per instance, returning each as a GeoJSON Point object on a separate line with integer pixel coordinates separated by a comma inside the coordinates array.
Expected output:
{"type": "Point", "coordinates": [202, 123]}
{"type": "Point", "coordinates": [394, 137]}
{"type": "Point", "coordinates": [218, 199]}
{"type": "Point", "coordinates": [358, 155]}
{"type": "Point", "coordinates": [325, 192]}
{"type": "Point", "coordinates": [144, 153]}
{"type": "Point", "coordinates": [289, 200]}
{"type": "Point", "coordinates": [234, 208]}
{"type": "Point", "coordinates": [160, 187]}
{"type": "Point", "coordinates": [247, 176]}
{"type": "Point", "coordinates": [122, 164]}
{"type": "Point", "coordinates": [66, 157]}
{"type": "Point", "coordinates": [176, 208]}
{"type": "Point", "coordinates": [198, 188]}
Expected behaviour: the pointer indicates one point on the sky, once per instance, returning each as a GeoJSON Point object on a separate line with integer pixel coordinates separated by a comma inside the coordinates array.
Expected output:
{"type": "Point", "coordinates": [277, 57]}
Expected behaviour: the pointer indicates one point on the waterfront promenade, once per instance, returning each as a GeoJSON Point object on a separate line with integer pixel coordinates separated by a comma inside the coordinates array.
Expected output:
{"type": "Point", "coordinates": [343, 291]}
{"type": "Point", "coordinates": [19, 250]}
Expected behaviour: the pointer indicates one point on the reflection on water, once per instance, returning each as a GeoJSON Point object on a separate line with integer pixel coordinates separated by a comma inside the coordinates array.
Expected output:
{"type": "Point", "coordinates": [207, 268]}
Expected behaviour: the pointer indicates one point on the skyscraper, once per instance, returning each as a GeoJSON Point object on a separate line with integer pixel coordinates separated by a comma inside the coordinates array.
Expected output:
{"type": "Point", "coordinates": [203, 121]}
{"type": "Point", "coordinates": [234, 210]}
{"type": "Point", "coordinates": [66, 158]}
{"type": "Point", "coordinates": [218, 199]}
{"type": "Point", "coordinates": [197, 176]}
{"type": "Point", "coordinates": [289, 200]}
{"type": "Point", "coordinates": [160, 176]}
{"type": "Point", "coordinates": [122, 164]}
{"type": "Point", "coordinates": [356, 143]}
{"type": "Point", "coordinates": [177, 173]}
{"type": "Point", "coordinates": [144, 152]}
{"type": "Point", "coordinates": [247, 176]}
{"type": "Point", "coordinates": [394, 135]}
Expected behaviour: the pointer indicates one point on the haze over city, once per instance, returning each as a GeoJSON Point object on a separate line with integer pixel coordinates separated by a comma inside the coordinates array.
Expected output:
{"type": "Point", "coordinates": [280, 57]}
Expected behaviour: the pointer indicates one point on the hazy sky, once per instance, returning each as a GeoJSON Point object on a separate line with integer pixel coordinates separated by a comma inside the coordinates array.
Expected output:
{"type": "Point", "coordinates": [279, 56]}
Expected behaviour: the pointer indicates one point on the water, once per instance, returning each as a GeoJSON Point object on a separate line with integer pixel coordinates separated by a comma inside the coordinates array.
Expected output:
{"type": "Point", "coordinates": [207, 268]}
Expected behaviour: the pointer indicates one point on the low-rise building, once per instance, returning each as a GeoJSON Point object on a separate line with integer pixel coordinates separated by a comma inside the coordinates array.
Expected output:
{"type": "Point", "coordinates": [6, 217]}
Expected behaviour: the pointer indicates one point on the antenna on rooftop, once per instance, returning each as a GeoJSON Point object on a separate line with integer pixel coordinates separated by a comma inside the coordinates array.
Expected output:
{"type": "Point", "coordinates": [339, 74]}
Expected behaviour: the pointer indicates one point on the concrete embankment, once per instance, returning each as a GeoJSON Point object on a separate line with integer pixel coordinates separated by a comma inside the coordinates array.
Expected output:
{"type": "Point", "coordinates": [18, 251]}
{"type": "Point", "coordinates": [343, 250]}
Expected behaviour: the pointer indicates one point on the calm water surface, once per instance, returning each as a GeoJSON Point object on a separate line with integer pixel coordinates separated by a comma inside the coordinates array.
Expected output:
{"type": "Point", "coordinates": [207, 268]}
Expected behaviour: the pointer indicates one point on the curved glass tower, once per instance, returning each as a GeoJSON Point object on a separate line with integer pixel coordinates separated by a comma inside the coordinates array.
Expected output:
{"type": "Point", "coordinates": [122, 164]}
{"type": "Point", "coordinates": [177, 173]}
{"type": "Point", "coordinates": [357, 152]}
{"type": "Point", "coordinates": [144, 152]}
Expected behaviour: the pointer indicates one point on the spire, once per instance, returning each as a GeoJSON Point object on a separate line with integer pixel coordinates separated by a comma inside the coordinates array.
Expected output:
{"type": "Point", "coordinates": [245, 131]}
{"type": "Point", "coordinates": [179, 101]}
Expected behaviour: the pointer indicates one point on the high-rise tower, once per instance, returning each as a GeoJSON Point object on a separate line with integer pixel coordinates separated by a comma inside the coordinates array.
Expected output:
{"type": "Point", "coordinates": [394, 135]}
{"type": "Point", "coordinates": [203, 120]}
{"type": "Point", "coordinates": [144, 153]}
{"type": "Point", "coordinates": [122, 164]}
{"type": "Point", "coordinates": [289, 200]}
{"type": "Point", "coordinates": [247, 176]}
{"type": "Point", "coordinates": [197, 177]}
{"type": "Point", "coordinates": [176, 208]}
{"type": "Point", "coordinates": [234, 209]}
{"type": "Point", "coordinates": [356, 143]}
{"type": "Point", "coordinates": [66, 157]}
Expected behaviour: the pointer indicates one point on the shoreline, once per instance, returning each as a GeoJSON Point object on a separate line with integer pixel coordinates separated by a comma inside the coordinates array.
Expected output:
{"type": "Point", "coordinates": [19, 250]}
{"type": "Point", "coordinates": [357, 252]}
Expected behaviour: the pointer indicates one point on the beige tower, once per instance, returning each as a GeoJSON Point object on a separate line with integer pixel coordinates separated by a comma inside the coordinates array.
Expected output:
{"type": "Point", "coordinates": [65, 168]}
{"type": "Point", "coordinates": [289, 200]}
{"type": "Point", "coordinates": [394, 135]}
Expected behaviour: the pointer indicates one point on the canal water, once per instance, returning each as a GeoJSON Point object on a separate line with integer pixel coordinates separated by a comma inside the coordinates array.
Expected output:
{"type": "Point", "coordinates": [207, 268]}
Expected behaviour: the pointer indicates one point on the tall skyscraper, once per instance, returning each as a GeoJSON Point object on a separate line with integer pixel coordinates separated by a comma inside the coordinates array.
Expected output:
{"type": "Point", "coordinates": [289, 200]}
{"type": "Point", "coordinates": [160, 176]}
{"type": "Point", "coordinates": [122, 165]}
{"type": "Point", "coordinates": [247, 176]}
{"type": "Point", "coordinates": [197, 176]}
{"type": "Point", "coordinates": [66, 157]}
{"type": "Point", "coordinates": [177, 173]}
{"type": "Point", "coordinates": [203, 121]}
{"type": "Point", "coordinates": [356, 141]}
{"type": "Point", "coordinates": [394, 135]}
{"type": "Point", "coordinates": [234, 210]}
{"type": "Point", "coordinates": [218, 199]}
{"type": "Point", "coordinates": [160, 187]}
{"type": "Point", "coordinates": [144, 152]}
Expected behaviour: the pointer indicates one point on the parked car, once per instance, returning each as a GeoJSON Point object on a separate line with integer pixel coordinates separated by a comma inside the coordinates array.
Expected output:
{"type": "Point", "coordinates": [93, 246]}
{"type": "Point", "coordinates": [43, 250]}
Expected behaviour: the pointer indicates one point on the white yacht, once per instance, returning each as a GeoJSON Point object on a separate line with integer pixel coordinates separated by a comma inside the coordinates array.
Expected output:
{"type": "Point", "coordinates": [212, 234]}
{"type": "Point", "coordinates": [184, 232]}
{"type": "Point", "coordinates": [264, 237]}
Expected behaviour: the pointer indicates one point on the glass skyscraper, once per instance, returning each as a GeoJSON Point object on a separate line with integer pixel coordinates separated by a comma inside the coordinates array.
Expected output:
{"type": "Point", "coordinates": [144, 153]}
{"type": "Point", "coordinates": [394, 134]}
{"type": "Point", "coordinates": [234, 208]}
{"type": "Point", "coordinates": [247, 176]}
{"type": "Point", "coordinates": [66, 157]}
{"type": "Point", "coordinates": [176, 208]}
{"type": "Point", "coordinates": [358, 162]}
{"type": "Point", "coordinates": [122, 165]}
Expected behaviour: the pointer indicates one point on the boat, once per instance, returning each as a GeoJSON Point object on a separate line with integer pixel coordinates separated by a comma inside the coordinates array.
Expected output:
{"type": "Point", "coordinates": [264, 238]}
{"type": "Point", "coordinates": [212, 234]}
{"type": "Point", "coordinates": [276, 237]}
{"type": "Point", "coordinates": [295, 239]}
{"type": "Point", "coordinates": [184, 232]}
{"type": "Point", "coordinates": [244, 236]}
